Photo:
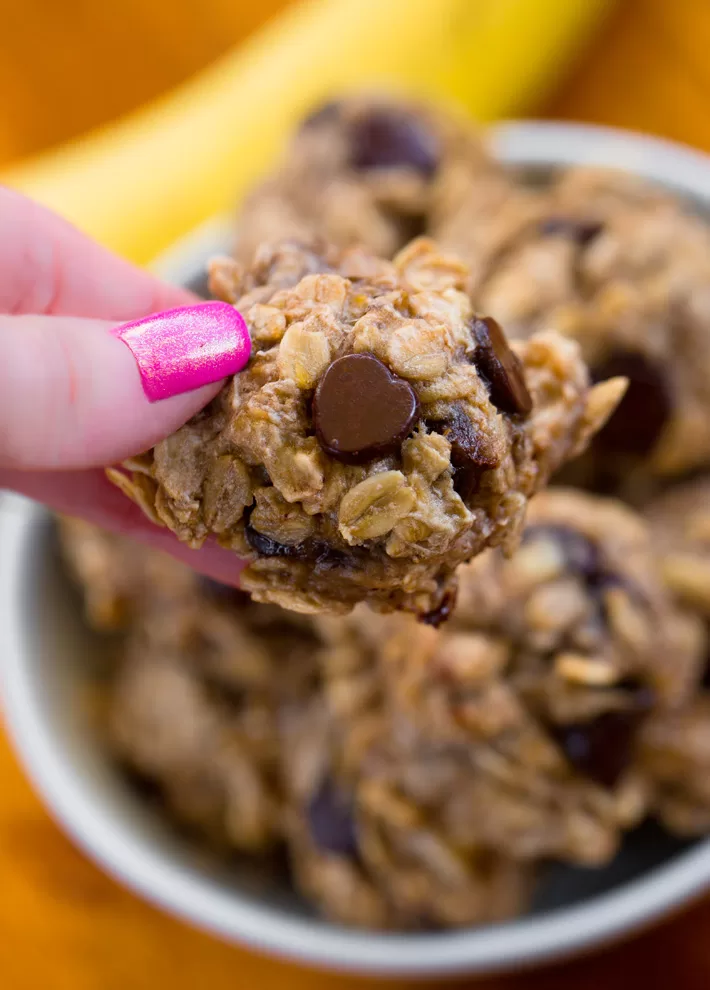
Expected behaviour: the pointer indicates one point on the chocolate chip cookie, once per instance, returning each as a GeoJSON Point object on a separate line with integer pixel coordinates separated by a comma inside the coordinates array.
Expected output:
{"type": "Point", "coordinates": [680, 522]}
{"type": "Point", "coordinates": [381, 434]}
{"type": "Point", "coordinates": [194, 707]}
{"type": "Point", "coordinates": [676, 745]}
{"type": "Point", "coordinates": [512, 733]}
{"type": "Point", "coordinates": [365, 170]}
{"type": "Point", "coordinates": [675, 756]}
{"type": "Point", "coordinates": [623, 268]}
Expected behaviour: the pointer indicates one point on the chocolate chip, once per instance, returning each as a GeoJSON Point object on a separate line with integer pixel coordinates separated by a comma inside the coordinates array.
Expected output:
{"type": "Point", "coordinates": [361, 410]}
{"type": "Point", "coordinates": [639, 419]}
{"type": "Point", "coordinates": [500, 367]}
{"type": "Point", "coordinates": [388, 138]}
{"type": "Point", "coordinates": [582, 232]}
{"type": "Point", "coordinates": [331, 821]}
{"type": "Point", "coordinates": [443, 610]}
{"type": "Point", "coordinates": [602, 748]}
{"type": "Point", "coordinates": [327, 113]}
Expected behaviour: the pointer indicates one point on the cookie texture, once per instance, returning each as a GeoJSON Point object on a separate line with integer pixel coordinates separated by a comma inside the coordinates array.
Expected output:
{"type": "Point", "coordinates": [516, 729]}
{"type": "Point", "coordinates": [603, 257]}
{"type": "Point", "coordinates": [194, 710]}
{"type": "Point", "coordinates": [368, 170]}
{"type": "Point", "coordinates": [417, 777]}
{"type": "Point", "coordinates": [676, 746]}
{"type": "Point", "coordinates": [435, 336]}
{"type": "Point", "coordinates": [381, 434]}
{"type": "Point", "coordinates": [623, 268]}
{"type": "Point", "coordinates": [232, 715]}
{"type": "Point", "coordinates": [680, 521]}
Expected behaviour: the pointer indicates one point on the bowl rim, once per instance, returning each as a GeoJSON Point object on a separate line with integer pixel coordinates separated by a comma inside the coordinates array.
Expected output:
{"type": "Point", "coordinates": [159, 879]}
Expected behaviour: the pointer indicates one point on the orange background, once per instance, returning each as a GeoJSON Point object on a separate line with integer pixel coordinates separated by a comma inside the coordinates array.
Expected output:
{"type": "Point", "coordinates": [63, 68]}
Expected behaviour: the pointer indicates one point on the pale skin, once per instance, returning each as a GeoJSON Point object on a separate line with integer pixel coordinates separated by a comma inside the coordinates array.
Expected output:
{"type": "Point", "coordinates": [71, 399]}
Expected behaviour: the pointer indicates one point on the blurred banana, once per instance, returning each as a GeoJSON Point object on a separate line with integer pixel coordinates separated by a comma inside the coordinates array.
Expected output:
{"type": "Point", "coordinates": [139, 184]}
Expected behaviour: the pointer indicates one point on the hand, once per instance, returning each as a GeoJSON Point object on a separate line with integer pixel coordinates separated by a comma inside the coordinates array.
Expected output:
{"type": "Point", "coordinates": [72, 396]}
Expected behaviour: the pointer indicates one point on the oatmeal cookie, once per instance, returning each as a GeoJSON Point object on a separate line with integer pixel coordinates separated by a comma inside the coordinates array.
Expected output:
{"type": "Point", "coordinates": [380, 435]}
{"type": "Point", "coordinates": [623, 268]}
{"type": "Point", "coordinates": [365, 170]}
{"type": "Point", "coordinates": [511, 734]}
{"type": "Point", "coordinates": [367, 793]}
{"type": "Point", "coordinates": [675, 755]}
{"type": "Point", "coordinates": [676, 745]}
{"type": "Point", "coordinates": [680, 522]}
{"type": "Point", "coordinates": [585, 591]}
{"type": "Point", "coordinates": [194, 709]}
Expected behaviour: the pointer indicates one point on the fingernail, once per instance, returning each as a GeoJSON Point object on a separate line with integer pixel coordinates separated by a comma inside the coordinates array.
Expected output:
{"type": "Point", "coordinates": [181, 349]}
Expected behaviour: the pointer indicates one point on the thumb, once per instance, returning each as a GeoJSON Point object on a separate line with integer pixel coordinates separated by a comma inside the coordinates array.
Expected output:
{"type": "Point", "coordinates": [78, 393]}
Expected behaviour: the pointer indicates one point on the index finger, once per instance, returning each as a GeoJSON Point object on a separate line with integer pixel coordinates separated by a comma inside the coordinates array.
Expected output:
{"type": "Point", "coordinates": [49, 267]}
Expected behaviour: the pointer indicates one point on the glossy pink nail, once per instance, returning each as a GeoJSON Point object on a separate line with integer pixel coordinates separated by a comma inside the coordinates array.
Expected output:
{"type": "Point", "coordinates": [181, 349]}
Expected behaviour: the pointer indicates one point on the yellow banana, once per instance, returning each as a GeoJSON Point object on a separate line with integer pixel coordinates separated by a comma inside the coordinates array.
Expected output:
{"type": "Point", "coordinates": [140, 183]}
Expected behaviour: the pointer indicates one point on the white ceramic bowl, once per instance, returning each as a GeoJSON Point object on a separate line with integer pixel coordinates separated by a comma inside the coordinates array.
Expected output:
{"type": "Point", "coordinates": [45, 654]}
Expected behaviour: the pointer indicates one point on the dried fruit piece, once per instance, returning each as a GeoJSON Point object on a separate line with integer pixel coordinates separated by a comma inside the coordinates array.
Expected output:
{"type": "Point", "coordinates": [437, 616]}
{"type": "Point", "coordinates": [466, 442]}
{"type": "Point", "coordinates": [267, 547]}
{"type": "Point", "coordinates": [361, 410]}
{"type": "Point", "coordinates": [467, 456]}
{"type": "Point", "coordinates": [501, 367]}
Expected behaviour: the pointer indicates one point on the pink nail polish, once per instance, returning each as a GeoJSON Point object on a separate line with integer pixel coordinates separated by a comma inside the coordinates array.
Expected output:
{"type": "Point", "coordinates": [181, 349]}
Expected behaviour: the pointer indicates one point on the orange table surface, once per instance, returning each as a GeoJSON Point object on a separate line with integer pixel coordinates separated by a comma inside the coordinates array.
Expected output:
{"type": "Point", "coordinates": [66, 926]}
